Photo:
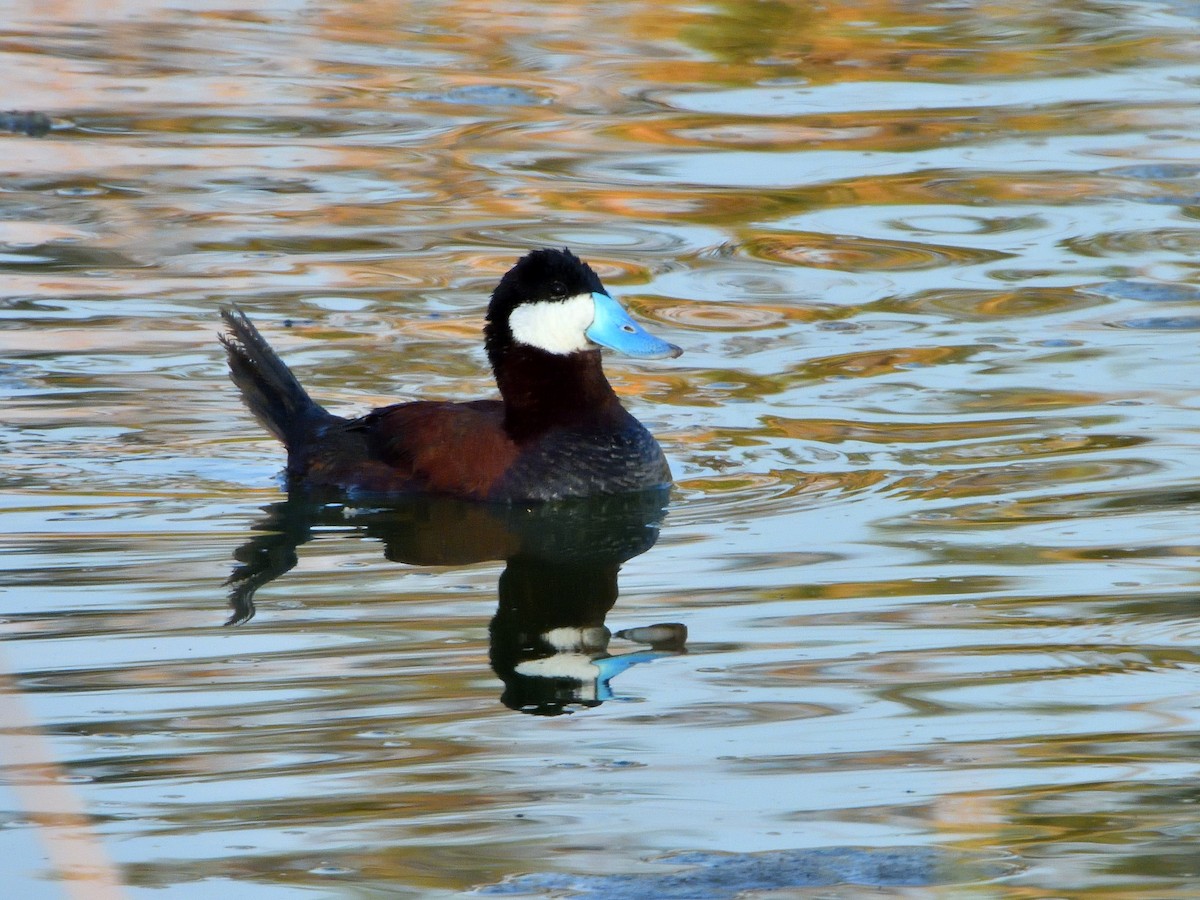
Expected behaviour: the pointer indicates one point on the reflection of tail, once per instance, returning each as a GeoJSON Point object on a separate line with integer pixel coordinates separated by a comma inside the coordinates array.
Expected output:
{"type": "Point", "coordinates": [268, 386]}
{"type": "Point", "coordinates": [265, 557]}
{"type": "Point", "coordinates": [271, 552]}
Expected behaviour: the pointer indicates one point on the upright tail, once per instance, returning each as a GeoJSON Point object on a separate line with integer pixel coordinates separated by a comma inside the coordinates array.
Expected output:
{"type": "Point", "coordinates": [268, 386]}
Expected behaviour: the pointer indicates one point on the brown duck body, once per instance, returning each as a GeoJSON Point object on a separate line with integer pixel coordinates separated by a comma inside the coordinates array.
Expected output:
{"type": "Point", "coordinates": [558, 430]}
{"type": "Point", "coordinates": [480, 450]}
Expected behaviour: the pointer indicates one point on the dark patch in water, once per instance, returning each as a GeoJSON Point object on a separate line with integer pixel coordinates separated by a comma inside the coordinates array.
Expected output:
{"type": "Point", "coordinates": [33, 124]}
{"type": "Point", "coordinates": [64, 255]}
{"type": "Point", "coordinates": [1158, 171]}
{"type": "Point", "coordinates": [1149, 291]}
{"type": "Point", "coordinates": [1174, 199]}
{"type": "Point", "coordinates": [723, 876]}
{"type": "Point", "coordinates": [484, 95]}
{"type": "Point", "coordinates": [1161, 323]}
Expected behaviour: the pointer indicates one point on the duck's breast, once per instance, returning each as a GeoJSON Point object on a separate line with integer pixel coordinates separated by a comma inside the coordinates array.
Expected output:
{"type": "Point", "coordinates": [585, 461]}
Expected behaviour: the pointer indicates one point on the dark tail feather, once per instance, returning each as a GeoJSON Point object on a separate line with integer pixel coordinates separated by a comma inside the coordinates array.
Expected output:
{"type": "Point", "coordinates": [268, 386]}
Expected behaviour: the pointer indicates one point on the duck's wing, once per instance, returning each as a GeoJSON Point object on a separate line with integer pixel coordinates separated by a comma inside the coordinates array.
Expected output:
{"type": "Point", "coordinates": [452, 448]}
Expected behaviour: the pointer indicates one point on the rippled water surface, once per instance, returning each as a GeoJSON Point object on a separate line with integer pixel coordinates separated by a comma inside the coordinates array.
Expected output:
{"type": "Point", "coordinates": [921, 617]}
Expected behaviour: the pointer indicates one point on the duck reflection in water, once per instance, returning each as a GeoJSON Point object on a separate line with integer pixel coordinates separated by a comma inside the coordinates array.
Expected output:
{"type": "Point", "coordinates": [549, 641]}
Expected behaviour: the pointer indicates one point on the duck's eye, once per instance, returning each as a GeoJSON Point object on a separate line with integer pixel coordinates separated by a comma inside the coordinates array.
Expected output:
{"type": "Point", "coordinates": [558, 289]}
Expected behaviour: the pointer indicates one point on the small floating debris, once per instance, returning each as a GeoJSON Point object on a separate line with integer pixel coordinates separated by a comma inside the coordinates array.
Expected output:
{"type": "Point", "coordinates": [28, 122]}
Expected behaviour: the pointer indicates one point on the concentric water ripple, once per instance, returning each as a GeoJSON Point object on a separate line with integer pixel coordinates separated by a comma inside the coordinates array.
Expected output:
{"type": "Point", "coordinates": [1163, 242]}
{"type": "Point", "coordinates": [847, 253]}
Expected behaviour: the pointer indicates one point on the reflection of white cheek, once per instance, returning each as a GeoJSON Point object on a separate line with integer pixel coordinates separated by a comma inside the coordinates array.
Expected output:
{"type": "Point", "coordinates": [554, 326]}
{"type": "Point", "coordinates": [572, 666]}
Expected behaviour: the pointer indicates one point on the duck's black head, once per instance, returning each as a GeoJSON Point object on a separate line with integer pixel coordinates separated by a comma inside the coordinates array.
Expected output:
{"type": "Point", "coordinates": [551, 301]}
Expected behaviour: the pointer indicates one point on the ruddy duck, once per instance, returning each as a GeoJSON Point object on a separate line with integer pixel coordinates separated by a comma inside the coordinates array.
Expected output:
{"type": "Point", "coordinates": [558, 430]}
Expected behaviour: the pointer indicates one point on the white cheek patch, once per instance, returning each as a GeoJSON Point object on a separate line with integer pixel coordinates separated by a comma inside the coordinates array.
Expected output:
{"type": "Point", "coordinates": [556, 326]}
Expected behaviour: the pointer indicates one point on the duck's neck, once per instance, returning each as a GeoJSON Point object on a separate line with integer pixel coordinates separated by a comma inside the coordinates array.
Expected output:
{"type": "Point", "coordinates": [542, 390]}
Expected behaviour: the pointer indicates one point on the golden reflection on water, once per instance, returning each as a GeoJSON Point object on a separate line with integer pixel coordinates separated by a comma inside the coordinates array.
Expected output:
{"type": "Point", "coordinates": [933, 531]}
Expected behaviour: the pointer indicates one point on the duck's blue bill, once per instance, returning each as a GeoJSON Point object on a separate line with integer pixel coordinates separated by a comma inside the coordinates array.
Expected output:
{"type": "Point", "coordinates": [613, 328]}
